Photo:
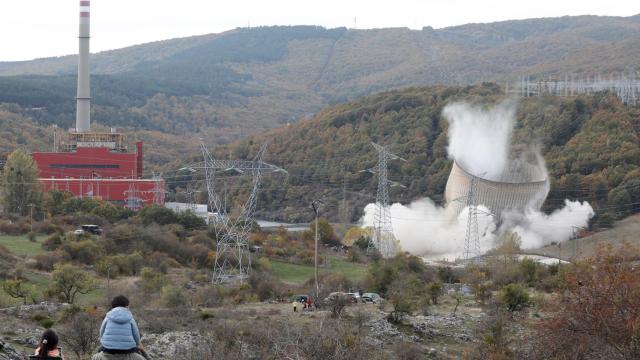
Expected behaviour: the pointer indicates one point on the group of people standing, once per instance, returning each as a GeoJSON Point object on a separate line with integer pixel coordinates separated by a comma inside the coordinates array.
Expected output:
{"type": "Point", "coordinates": [304, 303]}
{"type": "Point", "coordinates": [119, 336]}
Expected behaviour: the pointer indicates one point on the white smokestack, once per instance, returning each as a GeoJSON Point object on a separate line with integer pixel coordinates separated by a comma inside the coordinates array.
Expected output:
{"type": "Point", "coordinates": [83, 98]}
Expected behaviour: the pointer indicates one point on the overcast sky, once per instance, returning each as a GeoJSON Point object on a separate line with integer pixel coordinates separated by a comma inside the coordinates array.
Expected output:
{"type": "Point", "coordinates": [41, 28]}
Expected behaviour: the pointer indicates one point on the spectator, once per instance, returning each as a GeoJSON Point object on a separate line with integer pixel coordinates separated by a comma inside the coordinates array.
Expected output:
{"type": "Point", "coordinates": [48, 346]}
{"type": "Point", "coordinates": [119, 334]}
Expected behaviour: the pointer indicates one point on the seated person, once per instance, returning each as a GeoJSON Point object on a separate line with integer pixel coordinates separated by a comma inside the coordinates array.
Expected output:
{"type": "Point", "coordinates": [119, 334]}
{"type": "Point", "coordinates": [48, 346]}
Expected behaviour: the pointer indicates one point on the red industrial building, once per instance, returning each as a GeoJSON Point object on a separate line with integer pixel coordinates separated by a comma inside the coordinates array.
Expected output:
{"type": "Point", "coordinates": [96, 164]}
{"type": "Point", "coordinates": [106, 172]}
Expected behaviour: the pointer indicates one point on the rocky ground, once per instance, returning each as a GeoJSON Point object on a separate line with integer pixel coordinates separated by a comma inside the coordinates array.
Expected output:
{"type": "Point", "coordinates": [169, 335]}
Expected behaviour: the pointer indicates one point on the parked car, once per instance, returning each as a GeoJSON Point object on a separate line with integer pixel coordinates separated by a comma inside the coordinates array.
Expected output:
{"type": "Point", "coordinates": [372, 298]}
{"type": "Point", "coordinates": [353, 297]}
{"type": "Point", "coordinates": [350, 297]}
{"type": "Point", "coordinates": [89, 229]}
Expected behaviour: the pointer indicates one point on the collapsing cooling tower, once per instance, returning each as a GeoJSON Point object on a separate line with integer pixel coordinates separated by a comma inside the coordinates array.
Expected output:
{"type": "Point", "coordinates": [520, 186]}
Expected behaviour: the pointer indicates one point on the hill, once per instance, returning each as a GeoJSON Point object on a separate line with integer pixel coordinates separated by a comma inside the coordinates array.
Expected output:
{"type": "Point", "coordinates": [590, 144]}
{"type": "Point", "coordinates": [247, 80]}
{"type": "Point", "coordinates": [585, 247]}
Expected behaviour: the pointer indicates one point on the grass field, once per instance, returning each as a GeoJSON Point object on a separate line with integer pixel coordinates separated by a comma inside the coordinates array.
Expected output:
{"type": "Point", "coordinates": [21, 246]}
{"type": "Point", "coordinates": [298, 274]}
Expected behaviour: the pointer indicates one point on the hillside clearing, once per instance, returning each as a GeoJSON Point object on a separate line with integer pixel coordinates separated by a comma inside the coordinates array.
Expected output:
{"type": "Point", "coordinates": [21, 246]}
{"type": "Point", "coordinates": [298, 274]}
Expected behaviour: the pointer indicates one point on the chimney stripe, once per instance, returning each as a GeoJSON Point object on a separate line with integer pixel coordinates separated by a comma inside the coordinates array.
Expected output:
{"type": "Point", "coordinates": [84, 14]}
{"type": "Point", "coordinates": [84, 3]}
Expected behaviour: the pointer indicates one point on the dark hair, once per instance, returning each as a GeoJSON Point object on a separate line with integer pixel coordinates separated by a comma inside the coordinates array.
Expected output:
{"type": "Point", "coordinates": [48, 342]}
{"type": "Point", "coordinates": [119, 300]}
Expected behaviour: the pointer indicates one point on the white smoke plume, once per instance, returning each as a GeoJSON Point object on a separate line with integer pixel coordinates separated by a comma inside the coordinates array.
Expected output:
{"type": "Point", "coordinates": [424, 229]}
{"type": "Point", "coordinates": [537, 229]}
{"type": "Point", "coordinates": [480, 139]}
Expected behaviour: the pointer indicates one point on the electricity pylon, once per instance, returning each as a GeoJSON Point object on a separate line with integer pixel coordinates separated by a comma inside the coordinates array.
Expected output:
{"type": "Point", "coordinates": [233, 259]}
{"type": "Point", "coordinates": [133, 199]}
{"type": "Point", "coordinates": [158, 190]}
{"type": "Point", "coordinates": [383, 239]}
{"type": "Point", "coordinates": [472, 236]}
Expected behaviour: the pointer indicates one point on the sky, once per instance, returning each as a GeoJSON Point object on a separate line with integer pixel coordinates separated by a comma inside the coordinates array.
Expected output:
{"type": "Point", "coordinates": [42, 28]}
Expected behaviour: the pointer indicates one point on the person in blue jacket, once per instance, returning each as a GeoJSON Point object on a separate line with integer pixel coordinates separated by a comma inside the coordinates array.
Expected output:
{"type": "Point", "coordinates": [119, 333]}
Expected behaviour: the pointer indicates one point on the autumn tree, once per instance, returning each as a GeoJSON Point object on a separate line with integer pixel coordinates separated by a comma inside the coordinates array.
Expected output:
{"type": "Point", "coordinates": [20, 181]}
{"type": "Point", "coordinates": [598, 314]}
{"type": "Point", "coordinates": [68, 281]}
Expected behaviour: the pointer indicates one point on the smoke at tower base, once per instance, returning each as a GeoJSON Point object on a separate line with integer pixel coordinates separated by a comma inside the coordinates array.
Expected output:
{"type": "Point", "coordinates": [425, 229]}
{"type": "Point", "coordinates": [481, 139]}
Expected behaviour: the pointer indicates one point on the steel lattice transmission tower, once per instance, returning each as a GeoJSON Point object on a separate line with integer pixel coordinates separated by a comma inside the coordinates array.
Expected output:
{"type": "Point", "coordinates": [383, 239]}
{"type": "Point", "coordinates": [233, 260]}
{"type": "Point", "coordinates": [158, 190]}
{"type": "Point", "coordinates": [472, 236]}
{"type": "Point", "coordinates": [134, 201]}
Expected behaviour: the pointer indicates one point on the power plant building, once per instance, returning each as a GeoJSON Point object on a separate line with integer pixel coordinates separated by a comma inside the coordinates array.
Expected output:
{"type": "Point", "coordinates": [96, 164]}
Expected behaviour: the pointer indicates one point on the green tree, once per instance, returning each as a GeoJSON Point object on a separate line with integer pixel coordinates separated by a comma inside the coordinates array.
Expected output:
{"type": "Point", "coordinates": [18, 289]}
{"type": "Point", "coordinates": [68, 281]}
{"type": "Point", "coordinates": [157, 214]}
{"type": "Point", "coordinates": [21, 186]}
{"type": "Point", "coordinates": [326, 233]}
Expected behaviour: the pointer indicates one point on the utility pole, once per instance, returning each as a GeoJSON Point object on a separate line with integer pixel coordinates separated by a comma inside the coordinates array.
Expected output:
{"type": "Point", "coordinates": [344, 216]}
{"type": "Point", "coordinates": [31, 215]}
{"type": "Point", "coordinates": [315, 205]}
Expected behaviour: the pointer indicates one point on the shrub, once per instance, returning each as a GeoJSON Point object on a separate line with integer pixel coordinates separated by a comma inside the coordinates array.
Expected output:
{"type": "Point", "coordinates": [46, 323]}
{"type": "Point", "coordinates": [514, 297]}
{"type": "Point", "coordinates": [84, 251]}
{"type": "Point", "coordinates": [160, 261]}
{"type": "Point", "coordinates": [210, 296]}
{"type": "Point", "coordinates": [46, 261]}
{"type": "Point", "coordinates": [435, 290]}
{"type": "Point", "coordinates": [39, 317]}
{"type": "Point", "coordinates": [265, 285]}
{"type": "Point", "coordinates": [151, 281]}
{"type": "Point", "coordinates": [191, 221]}
{"type": "Point", "coordinates": [206, 315]}
{"type": "Point", "coordinates": [173, 297]}
{"type": "Point", "coordinates": [45, 227]}
{"type": "Point", "coordinates": [157, 214]}
{"type": "Point", "coordinates": [69, 311]}
{"type": "Point", "coordinates": [32, 236]}
{"type": "Point", "coordinates": [53, 242]}
{"type": "Point", "coordinates": [81, 332]}
{"type": "Point", "coordinates": [596, 316]}
{"type": "Point", "coordinates": [13, 228]}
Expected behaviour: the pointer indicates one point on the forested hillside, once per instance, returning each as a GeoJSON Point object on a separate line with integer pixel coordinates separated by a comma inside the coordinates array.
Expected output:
{"type": "Point", "coordinates": [247, 80]}
{"type": "Point", "coordinates": [591, 145]}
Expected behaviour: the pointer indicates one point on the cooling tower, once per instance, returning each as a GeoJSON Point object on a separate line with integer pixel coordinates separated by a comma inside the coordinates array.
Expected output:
{"type": "Point", "coordinates": [521, 186]}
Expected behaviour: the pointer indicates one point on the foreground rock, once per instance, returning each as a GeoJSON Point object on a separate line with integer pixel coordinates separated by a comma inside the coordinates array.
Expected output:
{"type": "Point", "coordinates": [9, 353]}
